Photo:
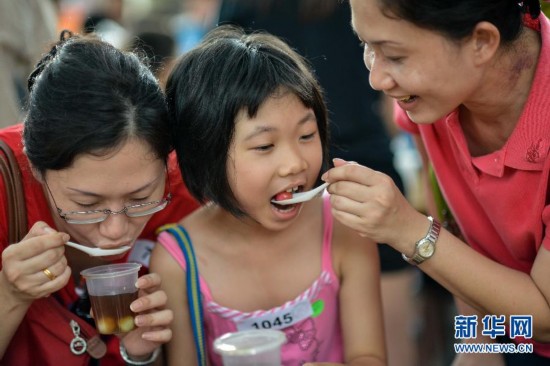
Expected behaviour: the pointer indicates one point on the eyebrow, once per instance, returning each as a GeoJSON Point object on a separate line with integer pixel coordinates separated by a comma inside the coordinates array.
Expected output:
{"type": "Point", "coordinates": [371, 43]}
{"type": "Point", "coordinates": [92, 194]}
{"type": "Point", "coordinates": [310, 116]}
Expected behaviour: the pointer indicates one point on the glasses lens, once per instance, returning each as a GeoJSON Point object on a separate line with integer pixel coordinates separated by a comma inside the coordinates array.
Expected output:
{"type": "Point", "coordinates": [146, 209]}
{"type": "Point", "coordinates": [92, 217]}
{"type": "Point", "coordinates": [369, 57]}
{"type": "Point", "coordinates": [84, 218]}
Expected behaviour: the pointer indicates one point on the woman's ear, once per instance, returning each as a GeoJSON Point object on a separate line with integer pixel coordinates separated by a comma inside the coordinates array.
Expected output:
{"type": "Point", "coordinates": [485, 41]}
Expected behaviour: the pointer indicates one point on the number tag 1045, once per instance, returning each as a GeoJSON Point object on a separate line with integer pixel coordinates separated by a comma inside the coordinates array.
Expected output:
{"type": "Point", "coordinates": [280, 319]}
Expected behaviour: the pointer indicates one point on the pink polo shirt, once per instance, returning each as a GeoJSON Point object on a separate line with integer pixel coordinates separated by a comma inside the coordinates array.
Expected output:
{"type": "Point", "coordinates": [500, 200]}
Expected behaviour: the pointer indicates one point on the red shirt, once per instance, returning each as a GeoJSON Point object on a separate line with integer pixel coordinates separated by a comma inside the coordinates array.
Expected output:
{"type": "Point", "coordinates": [500, 200]}
{"type": "Point", "coordinates": [38, 210]}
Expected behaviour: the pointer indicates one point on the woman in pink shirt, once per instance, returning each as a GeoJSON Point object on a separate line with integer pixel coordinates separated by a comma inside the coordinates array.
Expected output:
{"type": "Point", "coordinates": [471, 80]}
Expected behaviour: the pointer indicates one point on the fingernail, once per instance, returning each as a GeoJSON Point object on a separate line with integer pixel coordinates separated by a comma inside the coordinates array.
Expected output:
{"type": "Point", "coordinates": [324, 177]}
{"type": "Point", "coordinates": [139, 283]}
{"type": "Point", "coordinates": [139, 321]}
{"type": "Point", "coordinates": [48, 230]}
{"type": "Point", "coordinates": [65, 237]}
{"type": "Point", "coordinates": [136, 306]}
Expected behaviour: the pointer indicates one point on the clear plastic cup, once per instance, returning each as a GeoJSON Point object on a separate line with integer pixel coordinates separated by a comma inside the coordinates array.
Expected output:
{"type": "Point", "coordinates": [112, 289]}
{"type": "Point", "coordinates": [260, 347]}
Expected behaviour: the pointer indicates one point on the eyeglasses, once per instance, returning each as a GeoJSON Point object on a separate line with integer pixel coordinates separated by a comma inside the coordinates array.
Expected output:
{"type": "Point", "coordinates": [97, 216]}
{"type": "Point", "coordinates": [368, 56]}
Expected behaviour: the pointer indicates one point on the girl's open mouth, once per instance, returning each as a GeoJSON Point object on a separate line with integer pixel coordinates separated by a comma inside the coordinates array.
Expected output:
{"type": "Point", "coordinates": [408, 99]}
{"type": "Point", "coordinates": [284, 196]}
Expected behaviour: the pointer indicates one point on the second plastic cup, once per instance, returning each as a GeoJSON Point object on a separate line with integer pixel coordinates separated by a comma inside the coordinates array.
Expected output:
{"type": "Point", "coordinates": [251, 348]}
{"type": "Point", "coordinates": [112, 289]}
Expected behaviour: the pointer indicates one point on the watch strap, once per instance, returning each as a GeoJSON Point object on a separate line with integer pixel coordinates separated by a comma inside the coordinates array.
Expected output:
{"type": "Point", "coordinates": [431, 236]}
{"type": "Point", "coordinates": [131, 362]}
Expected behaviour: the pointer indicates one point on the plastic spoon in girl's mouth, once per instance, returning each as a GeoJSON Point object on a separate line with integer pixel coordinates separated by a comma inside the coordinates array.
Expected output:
{"type": "Point", "coordinates": [98, 252]}
{"type": "Point", "coordinates": [302, 196]}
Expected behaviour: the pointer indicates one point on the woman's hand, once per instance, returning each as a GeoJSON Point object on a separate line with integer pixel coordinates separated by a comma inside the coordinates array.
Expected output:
{"type": "Point", "coordinates": [370, 203]}
{"type": "Point", "coordinates": [153, 320]}
{"type": "Point", "coordinates": [35, 267]}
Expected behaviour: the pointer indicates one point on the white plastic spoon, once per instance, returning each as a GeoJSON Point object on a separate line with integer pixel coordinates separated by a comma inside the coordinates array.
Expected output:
{"type": "Point", "coordinates": [302, 196]}
{"type": "Point", "coordinates": [98, 252]}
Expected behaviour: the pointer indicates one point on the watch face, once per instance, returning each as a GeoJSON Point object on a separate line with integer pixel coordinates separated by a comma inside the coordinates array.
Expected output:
{"type": "Point", "coordinates": [426, 249]}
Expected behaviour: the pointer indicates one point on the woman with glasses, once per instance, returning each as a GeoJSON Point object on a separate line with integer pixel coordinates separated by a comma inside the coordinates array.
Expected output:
{"type": "Point", "coordinates": [94, 154]}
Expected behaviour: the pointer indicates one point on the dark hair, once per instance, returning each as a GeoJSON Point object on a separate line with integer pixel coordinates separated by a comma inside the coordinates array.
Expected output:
{"type": "Point", "coordinates": [457, 19]}
{"type": "Point", "coordinates": [227, 72]}
{"type": "Point", "coordinates": [86, 96]}
{"type": "Point", "coordinates": [158, 47]}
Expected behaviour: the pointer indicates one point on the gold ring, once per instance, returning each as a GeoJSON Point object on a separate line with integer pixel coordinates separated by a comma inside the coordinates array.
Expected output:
{"type": "Point", "coordinates": [49, 274]}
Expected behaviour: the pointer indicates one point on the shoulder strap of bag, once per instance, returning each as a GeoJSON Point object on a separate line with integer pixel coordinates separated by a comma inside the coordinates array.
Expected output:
{"type": "Point", "coordinates": [194, 299]}
{"type": "Point", "coordinates": [56, 319]}
{"type": "Point", "coordinates": [16, 210]}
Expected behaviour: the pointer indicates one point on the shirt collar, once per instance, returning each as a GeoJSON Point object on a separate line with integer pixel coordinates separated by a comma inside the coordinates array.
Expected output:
{"type": "Point", "coordinates": [528, 146]}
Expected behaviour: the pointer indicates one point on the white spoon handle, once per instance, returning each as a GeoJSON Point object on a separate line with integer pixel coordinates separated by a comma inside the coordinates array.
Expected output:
{"type": "Point", "coordinates": [98, 252]}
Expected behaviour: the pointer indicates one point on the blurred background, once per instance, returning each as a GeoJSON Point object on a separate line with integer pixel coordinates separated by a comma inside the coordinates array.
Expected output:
{"type": "Point", "coordinates": [160, 28]}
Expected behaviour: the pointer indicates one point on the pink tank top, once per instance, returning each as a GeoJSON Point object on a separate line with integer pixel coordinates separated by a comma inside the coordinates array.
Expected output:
{"type": "Point", "coordinates": [311, 321]}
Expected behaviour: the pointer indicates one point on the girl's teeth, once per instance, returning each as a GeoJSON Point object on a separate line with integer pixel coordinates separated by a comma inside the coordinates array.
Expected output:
{"type": "Point", "coordinates": [286, 194]}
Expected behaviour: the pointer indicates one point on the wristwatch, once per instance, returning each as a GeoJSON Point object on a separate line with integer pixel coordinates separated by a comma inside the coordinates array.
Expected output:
{"type": "Point", "coordinates": [425, 247]}
{"type": "Point", "coordinates": [131, 362]}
